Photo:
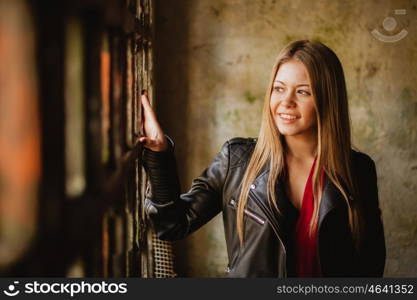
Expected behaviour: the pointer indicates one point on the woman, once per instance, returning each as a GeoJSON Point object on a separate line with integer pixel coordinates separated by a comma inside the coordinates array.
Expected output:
{"type": "Point", "coordinates": [297, 201]}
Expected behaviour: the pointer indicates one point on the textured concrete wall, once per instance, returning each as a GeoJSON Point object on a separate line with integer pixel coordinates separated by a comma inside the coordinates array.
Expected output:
{"type": "Point", "coordinates": [213, 62]}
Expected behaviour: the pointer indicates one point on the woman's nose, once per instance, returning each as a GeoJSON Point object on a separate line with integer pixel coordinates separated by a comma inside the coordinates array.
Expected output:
{"type": "Point", "coordinates": [288, 100]}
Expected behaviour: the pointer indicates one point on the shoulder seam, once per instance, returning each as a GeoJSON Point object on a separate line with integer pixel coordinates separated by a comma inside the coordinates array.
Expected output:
{"type": "Point", "coordinates": [241, 140]}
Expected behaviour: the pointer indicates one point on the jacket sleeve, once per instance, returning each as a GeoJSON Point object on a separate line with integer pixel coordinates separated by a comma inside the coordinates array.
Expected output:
{"type": "Point", "coordinates": [175, 215]}
{"type": "Point", "coordinates": [371, 257]}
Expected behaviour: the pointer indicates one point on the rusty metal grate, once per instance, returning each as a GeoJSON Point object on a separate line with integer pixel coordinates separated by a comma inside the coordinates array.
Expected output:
{"type": "Point", "coordinates": [163, 258]}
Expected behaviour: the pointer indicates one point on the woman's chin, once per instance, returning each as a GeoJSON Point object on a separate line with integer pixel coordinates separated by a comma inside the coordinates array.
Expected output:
{"type": "Point", "coordinates": [286, 131]}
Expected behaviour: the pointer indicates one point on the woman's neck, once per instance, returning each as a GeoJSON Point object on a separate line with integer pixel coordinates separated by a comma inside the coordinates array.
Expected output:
{"type": "Point", "coordinates": [301, 147]}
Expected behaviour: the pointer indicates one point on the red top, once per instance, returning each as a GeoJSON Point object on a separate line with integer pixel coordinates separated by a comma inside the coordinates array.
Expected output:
{"type": "Point", "coordinates": [306, 256]}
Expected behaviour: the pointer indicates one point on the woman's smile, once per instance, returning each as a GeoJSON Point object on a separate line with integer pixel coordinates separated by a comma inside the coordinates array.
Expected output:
{"type": "Point", "coordinates": [288, 118]}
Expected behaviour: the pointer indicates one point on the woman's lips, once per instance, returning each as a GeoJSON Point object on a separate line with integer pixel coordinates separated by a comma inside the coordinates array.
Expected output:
{"type": "Point", "coordinates": [288, 118]}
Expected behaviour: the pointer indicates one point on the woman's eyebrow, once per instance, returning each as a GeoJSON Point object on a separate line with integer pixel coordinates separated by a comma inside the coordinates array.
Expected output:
{"type": "Point", "coordinates": [298, 85]}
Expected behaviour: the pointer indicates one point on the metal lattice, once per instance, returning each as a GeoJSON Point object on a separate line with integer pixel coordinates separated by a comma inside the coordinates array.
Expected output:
{"type": "Point", "coordinates": [163, 258]}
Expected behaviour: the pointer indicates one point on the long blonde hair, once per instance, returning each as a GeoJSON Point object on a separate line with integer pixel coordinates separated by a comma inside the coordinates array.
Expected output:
{"type": "Point", "coordinates": [333, 135]}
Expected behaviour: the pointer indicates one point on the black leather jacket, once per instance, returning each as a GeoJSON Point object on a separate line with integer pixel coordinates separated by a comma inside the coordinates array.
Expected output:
{"type": "Point", "coordinates": [267, 250]}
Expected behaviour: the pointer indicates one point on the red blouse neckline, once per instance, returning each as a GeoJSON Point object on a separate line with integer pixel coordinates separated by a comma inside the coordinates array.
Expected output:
{"type": "Point", "coordinates": [306, 255]}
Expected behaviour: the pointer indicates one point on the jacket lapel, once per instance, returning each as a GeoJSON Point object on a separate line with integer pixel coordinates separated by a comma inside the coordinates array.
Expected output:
{"type": "Point", "coordinates": [331, 196]}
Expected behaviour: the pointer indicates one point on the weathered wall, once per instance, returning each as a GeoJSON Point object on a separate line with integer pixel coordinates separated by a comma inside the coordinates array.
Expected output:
{"type": "Point", "coordinates": [213, 62]}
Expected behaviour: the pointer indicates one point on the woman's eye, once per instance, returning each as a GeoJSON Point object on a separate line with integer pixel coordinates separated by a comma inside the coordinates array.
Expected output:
{"type": "Point", "coordinates": [278, 89]}
{"type": "Point", "coordinates": [302, 92]}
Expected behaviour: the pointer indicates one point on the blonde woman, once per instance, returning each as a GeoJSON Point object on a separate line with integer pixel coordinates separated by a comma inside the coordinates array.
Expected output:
{"type": "Point", "coordinates": [297, 201]}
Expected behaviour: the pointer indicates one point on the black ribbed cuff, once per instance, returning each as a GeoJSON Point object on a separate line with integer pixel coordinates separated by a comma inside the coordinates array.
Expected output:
{"type": "Point", "coordinates": [162, 171]}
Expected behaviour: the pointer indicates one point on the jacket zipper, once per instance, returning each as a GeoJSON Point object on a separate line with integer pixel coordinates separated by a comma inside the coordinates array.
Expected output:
{"type": "Point", "coordinates": [232, 263]}
{"type": "Point", "coordinates": [251, 214]}
{"type": "Point", "coordinates": [273, 225]}
{"type": "Point", "coordinates": [248, 213]}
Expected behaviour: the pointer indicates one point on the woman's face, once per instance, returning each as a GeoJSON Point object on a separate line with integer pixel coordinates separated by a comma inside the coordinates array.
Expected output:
{"type": "Point", "coordinates": [292, 103]}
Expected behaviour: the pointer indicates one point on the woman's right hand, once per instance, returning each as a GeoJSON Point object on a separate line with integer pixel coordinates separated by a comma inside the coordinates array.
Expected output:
{"type": "Point", "coordinates": [154, 138]}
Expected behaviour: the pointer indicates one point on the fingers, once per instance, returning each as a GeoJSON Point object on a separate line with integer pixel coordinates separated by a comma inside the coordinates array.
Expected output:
{"type": "Point", "coordinates": [153, 135]}
{"type": "Point", "coordinates": [145, 100]}
{"type": "Point", "coordinates": [147, 107]}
